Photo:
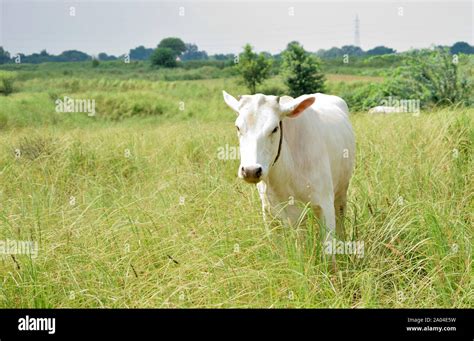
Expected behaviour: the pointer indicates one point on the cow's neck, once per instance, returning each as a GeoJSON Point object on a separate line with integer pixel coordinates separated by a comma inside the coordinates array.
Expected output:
{"type": "Point", "coordinates": [280, 177]}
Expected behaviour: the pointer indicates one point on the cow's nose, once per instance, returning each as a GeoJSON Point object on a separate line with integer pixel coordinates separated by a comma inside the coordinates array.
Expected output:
{"type": "Point", "coordinates": [251, 173]}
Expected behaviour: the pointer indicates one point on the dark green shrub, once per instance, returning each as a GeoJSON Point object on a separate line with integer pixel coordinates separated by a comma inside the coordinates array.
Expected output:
{"type": "Point", "coordinates": [7, 79]}
{"type": "Point", "coordinates": [301, 71]}
{"type": "Point", "coordinates": [164, 57]}
{"type": "Point", "coordinates": [433, 77]}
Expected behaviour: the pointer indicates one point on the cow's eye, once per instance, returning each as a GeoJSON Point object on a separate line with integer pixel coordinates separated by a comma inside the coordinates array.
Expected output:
{"type": "Point", "coordinates": [238, 129]}
{"type": "Point", "coordinates": [275, 130]}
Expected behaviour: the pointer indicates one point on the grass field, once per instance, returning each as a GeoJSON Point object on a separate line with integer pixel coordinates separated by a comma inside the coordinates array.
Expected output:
{"type": "Point", "coordinates": [134, 208]}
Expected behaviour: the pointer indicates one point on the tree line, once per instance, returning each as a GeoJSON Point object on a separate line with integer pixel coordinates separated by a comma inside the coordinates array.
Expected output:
{"type": "Point", "coordinates": [171, 50]}
{"type": "Point", "coordinates": [431, 75]}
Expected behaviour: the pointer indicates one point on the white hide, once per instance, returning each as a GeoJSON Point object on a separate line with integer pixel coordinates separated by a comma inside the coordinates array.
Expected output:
{"type": "Point", "coordinates": [317, 153]}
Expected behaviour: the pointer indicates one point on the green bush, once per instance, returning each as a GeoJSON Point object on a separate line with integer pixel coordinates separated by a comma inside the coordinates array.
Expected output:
{"type": "Point", "coordinates": [301, 71]}
{"type": "Point", "coordinates": [164, 57]}
{"type": "Point", "coordinates": [360, 96]}
{"type": "Point", "coordinates": [7, 80]}
{"type": "Point", "coordinates": [433, 77]}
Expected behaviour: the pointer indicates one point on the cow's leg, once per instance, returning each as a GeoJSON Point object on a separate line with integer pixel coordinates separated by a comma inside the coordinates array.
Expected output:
{"type": "Point", "coordinates": [329, 220]}
{"type": "Point", "coordinates": [326, 215]}
{"type": "Point", "coordinates": [340, 209]}
{"type": "Point", "coordinates": [262, 191]}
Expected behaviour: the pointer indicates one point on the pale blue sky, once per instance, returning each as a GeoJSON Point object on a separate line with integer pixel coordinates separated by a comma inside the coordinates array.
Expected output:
{"type": "Point", "coordinates": [224, 27]}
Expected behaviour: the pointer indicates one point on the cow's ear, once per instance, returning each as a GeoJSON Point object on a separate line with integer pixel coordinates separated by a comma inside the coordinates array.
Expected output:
{"type": "Point", "coordinates": [231, 101]}
{"type": "Point", "coordinates": [296, 106]}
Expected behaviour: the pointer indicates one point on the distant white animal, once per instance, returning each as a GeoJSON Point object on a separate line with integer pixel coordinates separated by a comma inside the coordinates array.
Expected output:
{"type": "Point", "coordinates": [299, 149]}
{"type": "Point", "coordinates": [383, 110]}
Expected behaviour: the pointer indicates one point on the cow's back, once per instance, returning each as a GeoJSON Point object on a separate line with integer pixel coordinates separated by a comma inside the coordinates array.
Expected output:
{"type": "Point", "coordinates": [322, 137]}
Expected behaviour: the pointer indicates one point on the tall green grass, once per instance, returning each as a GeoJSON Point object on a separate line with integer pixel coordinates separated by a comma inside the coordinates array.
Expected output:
{"type": "Point", "coordinates": [144, 214]}
{"type": "Point", "coordinates": [33, 104]}
{"type": "Point", "coordinates": [134, 208]}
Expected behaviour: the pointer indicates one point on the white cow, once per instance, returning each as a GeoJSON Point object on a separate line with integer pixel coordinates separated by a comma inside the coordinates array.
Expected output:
{"type": "Point", "coordinates": [296, 149]}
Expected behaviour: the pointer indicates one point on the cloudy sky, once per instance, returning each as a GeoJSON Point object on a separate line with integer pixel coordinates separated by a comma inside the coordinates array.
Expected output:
{"type": "Point", "coordinates": [225, 26]}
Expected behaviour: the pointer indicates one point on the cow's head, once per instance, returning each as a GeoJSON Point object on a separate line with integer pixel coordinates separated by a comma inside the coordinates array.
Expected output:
{"type": "Point", "coordinates": [259, 128]}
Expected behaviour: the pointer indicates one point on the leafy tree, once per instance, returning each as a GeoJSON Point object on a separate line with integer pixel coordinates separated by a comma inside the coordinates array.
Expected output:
{"type": "Point", "coordinates": [175, 44]}
{"type": "Point", "coordinates": [164, 57]}
{"type": "Point", "coordinates": [226, 57]}
{"type": "Point", "coordinates": [192, 53]}
{"type": "Point", "coordinates": [352, 50]}
{"type": "Point", "coordinates": [254, 68]}
{"type": "Point", "coordinates": [462, 47]}
{"type": "Point", "coordinates": [333, 52]}
{"type": "Point", "coordinates": [301, 71]}
{"type": "Point", "coordinates": [36, 58]}
{"type": "Point", "coordinates": [73, 56]}
{"type": "Point", "coordinates": [380, 50]}
{"type": "Point", "coordinates": [104, 56]}
{"type": "Point", "coordinates": [140, 53]}
{"type": "Point", "coordinates": [4, 56]}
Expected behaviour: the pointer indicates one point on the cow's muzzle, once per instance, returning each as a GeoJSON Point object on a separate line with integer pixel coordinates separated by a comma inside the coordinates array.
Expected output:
{"type": "Point", "coordinates": [251, 174]}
